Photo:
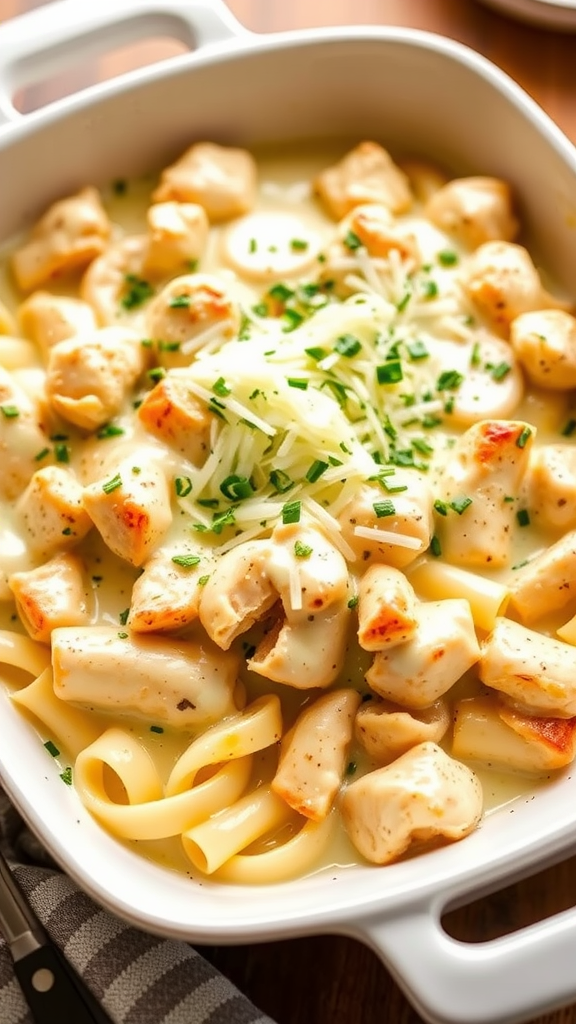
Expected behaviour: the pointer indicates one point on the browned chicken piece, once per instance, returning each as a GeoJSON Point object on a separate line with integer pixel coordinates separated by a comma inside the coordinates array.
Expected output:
{"type": "Point", "coordinates": [131, 510]}
{"type": "Point", "coordinates": [377, 231]}
{"type": "Point", "coordinates": [71, 233]}
{"type": "Point", "coordinates": [387, 730]}
{"type": "Point", "coordinates": [47, 319]}
{"type": "Point", "coordinates": [547, 582]}
{"type": "Point", "coordinates": [187, 312]}
{"type": "Point", "coordinates": [545, 344]}
{"type": "Point", "coordinates": [483, 473]}
{"type": "Point", "coordinates": [367, 174]}
{"type": "Point", "coordinates": [55, 594]}
{"type": "Point", "coordinates": [550, 486]}
{"type": "Point", "coordinates": [503, 282]}
{"type": "Point", "coordinates": [22, 438]}
{"type": "Point", "coordinates": [90, 375]}
{"type": "Point", "coordinates": [386, 608]}
{"type": "Point", "coordinates": [425, 178]}
{"type": "Point", "coordinates": [405, 526]}
{"type": "Point", "coordinates": [177, 236]}
{"type": "Point", "coordinates": [474, 211]}
{"type": "Point", "coordinates": [166, 596]}
{"type": "Point", "coordinates": [489, 731]}
{"type": "Point", "coordinates": [314, 754]}
{"type": "Point", "coordinates": [219, 178]}
{"type": "Point", "coordinates": [51, 511]}
{"type": "Point", "coordinates": [423, 795]}
{"type": "Point", "coordinates": [536, 671]}
{"type": "Point", "coordinates": [175, 416]}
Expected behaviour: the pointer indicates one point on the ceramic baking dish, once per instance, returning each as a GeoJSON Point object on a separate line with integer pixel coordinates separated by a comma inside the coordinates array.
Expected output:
{"type": "Point", "coordinates": [418, 93]}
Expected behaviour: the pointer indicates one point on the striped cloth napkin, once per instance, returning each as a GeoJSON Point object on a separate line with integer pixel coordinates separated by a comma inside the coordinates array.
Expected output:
{"type": "Point", "coordinates": [138, 978]}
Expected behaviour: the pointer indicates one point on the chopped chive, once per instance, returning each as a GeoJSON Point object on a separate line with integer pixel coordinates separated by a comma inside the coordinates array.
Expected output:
{"type": "Point", "coordinates": [186, 561]}
{"type": "Point", "coordinates": [146, 342]}
{"type": "Point", "coordinates": [297, 382]}
{"type": "Point", "coordinates": [429, 289]}
{"type": "Point", "coordinates": [298, 244]}
{"type": "Point", "coordinates": [252, 245]}
{"type": "Point", "coordinates": [208, 502]}
{"type": "Point", "coordinates": [156, 374]}
{"type": "Point", "coordinates": [203, 580]}
{"type": "Point", "coordinates": [391, 487]}
{"type": "Point", "coordinates": [280, 481]}
{"type": "Point", "coordinates": [523, 517]}
{"type": "Point", "coordinates": [123, 616]}
{"type": "Point", "coordinates": [316, 470]}
{"type": "Point", "coordinates": [66, 776]}
{"type": "Point", "coordinates": [460, 505]}
{"type": "Point", "coordinates": [168, 346]}
{"type": "Point", "coordinates": [520, 565]}
{"type": "Point", "coordinates": [390, 372]}
{"type": "Point", "coordinates": [316, 353]}
{"type": "Point", "coordinates": [441, 507]}
{"type": "Point", "coordinates": [109, 430]}
{"type": "Point", "coordinates": [447, 257]}
{"type": "Point", "coordinates": [291, 512]}
{"type": "Point", "coordinates": [137, 291]}
{"type": "Point", "coordinates": [236, 487]}
{"type": "Point", "coordinates": [156, 728]}
{"type": "Point", "coordinates": [62, 452]}
{"type": "Point", "coordinates": [384, 508]}
{"type": "Point", "coordinates": [52, 748]}
{"type": "Point", "coordinates": [221, 388]}
{"type": "Point", "coordinates": [351, 768]}
{"type": "Point", "coordinates": [302, 550]}
{"type": "Point", "coordinates": [347, 345]}
{"type": "Point", "coordinates": [67, 531]}
{"type": "Point", "coordinates": [401, 306]}
{"type": "Point", "coordinates": [353, 602]}
{"type": "Point", "coordinates": [260, 309]}
{"type": "Point", "coordinates": [10, 412]}
{"type": "Point", "coordinates": [119, 186]}
{"type": "Point", "coordinates": [182, 486]}
{"type": "Point", "coordinates": [417, 349]}
{"type": "Point", "coordinates": [569, 428]}
{"type": "Point", "coordinates": [280, 292]}
{"type": "Point", "coordinates": [122, 636]}
{"type": "Point", "coordinates": [435, 546]}
{"type": "Point", "coordinates": [334, 461]}
{"type": "Point", "coordinates": [500, 371]}
{"type": "Point", "coordinates": [523, 438]}
{"type": "Point", "coordinates": [449, 380]}
{"type": "Point", "coordinates": [351, 241]}
{"type": "Point", "coordinates": [293, 320]}
{"type": "Point", "coordinates": [113, 484]}
{"type": "Point", "coordinates": [222, 519]}
{"type": "Point", "coordinates": [179, 302]}
{"type": "Point", "coordinates": [42, 454]}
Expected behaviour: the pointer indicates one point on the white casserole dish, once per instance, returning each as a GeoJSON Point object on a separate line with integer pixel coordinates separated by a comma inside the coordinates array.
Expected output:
{"type": "Point", "coordinates": [416, 92]}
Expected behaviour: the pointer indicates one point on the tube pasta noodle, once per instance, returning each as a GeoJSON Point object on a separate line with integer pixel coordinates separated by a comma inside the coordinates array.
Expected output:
{"type": "Point", "coordinates": [488, 598]}
{"type": "Point", "coordinates": [213, 842]}
{"type": "Point", "coordinates": [292, 443]}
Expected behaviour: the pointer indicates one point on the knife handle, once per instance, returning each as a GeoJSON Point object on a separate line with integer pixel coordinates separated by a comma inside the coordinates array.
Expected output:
{"type": "Point", "coordinates": [53, 990]}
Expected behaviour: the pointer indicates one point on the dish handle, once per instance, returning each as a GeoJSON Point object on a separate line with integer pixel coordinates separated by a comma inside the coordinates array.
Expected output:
{"type": "Point", "coordinates": [503, 981]}
{"type": "Point", "coordinates": [43, 41]}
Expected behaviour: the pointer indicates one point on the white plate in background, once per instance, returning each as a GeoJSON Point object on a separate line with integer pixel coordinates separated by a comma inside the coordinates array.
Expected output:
{"type": "Point", "coordinates": [552, 14]}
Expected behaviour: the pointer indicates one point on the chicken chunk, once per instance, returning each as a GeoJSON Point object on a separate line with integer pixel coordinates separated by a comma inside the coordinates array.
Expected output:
{"type": "Point", "coordinates": [70, 234]}
{"type": "Point", "coordinates": [545, 343]}
{"type": "Point", "coordinates": [367, 174]}
{"type": "Point", "coordinates": [187, 313]}
{"type": "Point", "coordinates": [503, 282]}
{"type": "Point", "coordinates": [114, 285]}
{"type": "Point", "coordinates": [55, 594]}
{"type": "Point", "coordinates": [548, 582]}
{"type": "Point", "coordinates": [550, 487]}
{"type": "Point", "coordinates": [379, 233]}
{"type": "Point", "coordinates": [219, 178]}
{"type": "Point", "coordinates": [474, 211]}
{"type": "Point", "coordinates": [386, 608]}
{"type": "Point", "coordinates": [89, 376]}
{"type": "Point", "coordinates": [52, 512]}
{"type": "Point", "coordinates": [443, 647]}
{"type": "Point", "coordinates": [175, 416]}
{"type": "Point", "coordinates": [485, 470]}
{"type": "Point", "coordinates": [131, 510]}
{"type": "Point", "coordinates": [394, 530]}
{"type": "Point", "coordinates": [7, 321]}
{"type": "Point", "coordinates": [47, 319]}
{"type": "Point", "coordinates": [179, 683]}
{"type": "Point", "coordinates": [314, 754]}
{"type": "Point", "coordinates": [177, 237]}
{"type": "Point", "coordinates": [22, 437]}
{"type": "Point", "coordinates": [423, 795]}
{"type": "Point", "coordinates": [491, 733]}
{"type": "Point", "coordinates": [386, 730]}
{"type": "Point", "coordinates": [166, 596]}
{"type": "Point", "coordinates": [304, 652]}
{"type": "Point", "coordinates": [536, 671]}
{"type": "Point", "coordinates": [425, 178]}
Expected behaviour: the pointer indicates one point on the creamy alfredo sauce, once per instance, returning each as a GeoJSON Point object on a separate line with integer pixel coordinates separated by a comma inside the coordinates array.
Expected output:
{"type": "Point", "coordinates": [275, 250]}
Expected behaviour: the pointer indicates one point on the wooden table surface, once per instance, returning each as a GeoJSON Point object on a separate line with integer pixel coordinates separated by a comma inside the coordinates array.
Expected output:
{"type": "Point", "coordinates": [334, 980]}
